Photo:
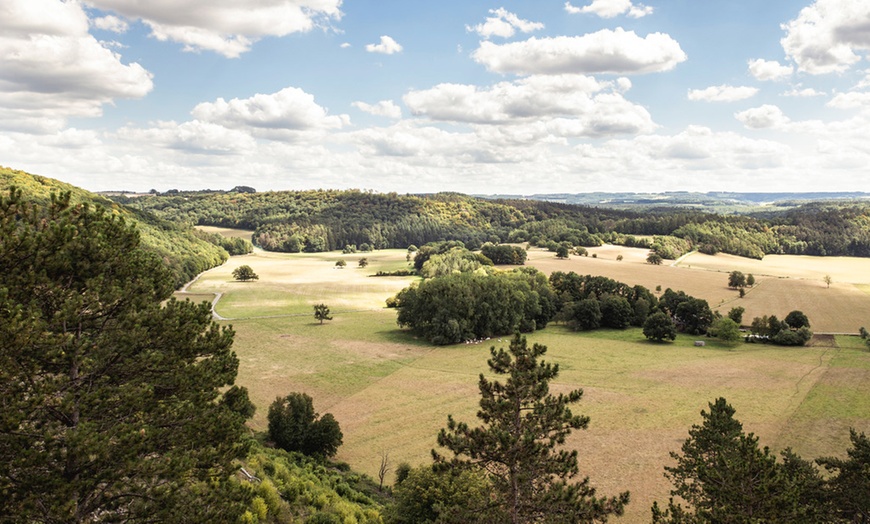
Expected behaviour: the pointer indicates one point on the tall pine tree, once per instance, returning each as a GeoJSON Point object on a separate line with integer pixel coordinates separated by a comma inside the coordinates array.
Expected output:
{"type": "Point", "coordinates": [109, 396]}
{"type": "Point", "coordinates": [520, 444]}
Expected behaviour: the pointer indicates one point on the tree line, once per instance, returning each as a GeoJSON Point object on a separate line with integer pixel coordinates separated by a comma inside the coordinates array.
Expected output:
{"type": "Point", "coordinates": [320, 220]}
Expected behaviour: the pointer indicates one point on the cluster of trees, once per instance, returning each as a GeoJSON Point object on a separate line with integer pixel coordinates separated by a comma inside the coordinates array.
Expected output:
{"type": "Point", "coordinates": [295, 426]}
{"type": "Point", "coordinates": [503, 254]}
{"type": "Point", "coordinates": [723, 475]}
{"type": "Point", "coordinates": [232, 245]}
{"type": "Point", "coordinates": [331, 220]}
{"type": "Point", "coordinates": [590, 302]}
{"type": "Point", "coordinates": [460, 307]}
{"type": "Point", "coordinates": [794, 330]}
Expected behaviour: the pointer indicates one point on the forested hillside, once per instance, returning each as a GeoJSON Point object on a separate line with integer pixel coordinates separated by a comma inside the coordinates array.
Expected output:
{"type": "Point", "coordinates": [183, 251]}
{"type": "Point", "coordinates": [315, 221]}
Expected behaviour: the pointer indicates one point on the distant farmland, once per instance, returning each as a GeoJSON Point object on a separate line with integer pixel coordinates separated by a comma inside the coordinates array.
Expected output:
{"type": "Point", "coordinates": [391, 392]}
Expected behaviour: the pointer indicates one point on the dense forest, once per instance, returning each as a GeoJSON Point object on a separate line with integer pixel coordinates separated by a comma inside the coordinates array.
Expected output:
{"type": "Point", "coordinates": [183, 250]}
{"type": "Point", "coordinates": [325, 220]}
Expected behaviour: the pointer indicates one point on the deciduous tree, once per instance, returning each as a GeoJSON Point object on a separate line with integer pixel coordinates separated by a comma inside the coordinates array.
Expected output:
{"type": "Point", "coordinates": [519, 444]}
{"type": "Point", "coordinates": [245, 273]}
{"type": "Point", "coordinates": [294, 426]}
{"type": "Point", "coordinates": [321, 312]}
{"type": "Point", "coordinates": [659, 326]}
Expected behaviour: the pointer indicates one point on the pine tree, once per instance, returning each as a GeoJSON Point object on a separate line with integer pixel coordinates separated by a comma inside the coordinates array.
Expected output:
{"type": "Point", "coordinates": [520, 444]}
{"type": "Point", "coordinates": [109, 401]}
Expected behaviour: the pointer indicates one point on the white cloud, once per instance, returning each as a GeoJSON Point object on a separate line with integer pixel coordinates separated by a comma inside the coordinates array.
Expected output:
{"type": "Point", "coordinates": [769, 69]}
{"type": "Point", "coordinates": [227, 28]}
{"type": "Point", "coordinates": [766, 116]}
{"type": "Point", "coordinates": [504, 24]}
{"type": "Point", "coordinates": [803, 93]}
{"type": "Point", "coordinates": [193, 137]}
{"type": "Point", "coordinates": [850, 100]}
{"type": "Point", "coordinates": [278, 115]}
{"type": "Point", "coordinates": [388, 46]}
{"type": "Point", "coordinates": [606, 51]}
{"type": "Point", "coordinates": [111, 23]}
{"type": "Point", "coordinates": [565, 105]}
{"type": "Point", "coordinates": [51, 68]}
{"type": "Point", "coordinates": [827, 36]}
{"type": "Point", "coordinates": [611, 8]}
{"type": "Point", "coordinates": [723, 93]}
{"type": "Point", "coordinates": [385, 108]}
{"type": "Point", "coordinates": [345, 45]}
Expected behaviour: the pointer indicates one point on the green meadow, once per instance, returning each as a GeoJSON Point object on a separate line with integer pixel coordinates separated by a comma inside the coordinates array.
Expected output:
{"type": "Point", "coordinates": [392, 392]}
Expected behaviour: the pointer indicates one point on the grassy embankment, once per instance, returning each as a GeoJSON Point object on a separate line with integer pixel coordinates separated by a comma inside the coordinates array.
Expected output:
{"type": "Point", "coordinates": [392, 393]}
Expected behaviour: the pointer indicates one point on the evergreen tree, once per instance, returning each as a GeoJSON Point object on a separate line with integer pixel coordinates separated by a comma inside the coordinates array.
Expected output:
{"type": "Point", "coordinates": [294, 426]}
{"type": "Point", "coordinates": [109, 401]}
{"type": "Point", "coordinates": [849, 487]}
{"type": "Point", "coordinates": [518, 445]}
{"type": "Point", "coordinates": [725, 477]}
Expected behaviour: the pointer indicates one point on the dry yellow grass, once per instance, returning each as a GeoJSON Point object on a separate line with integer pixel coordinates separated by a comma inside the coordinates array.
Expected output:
{"type": "Point", "coordinates": [784, 283]}
{"type": "Point", "coordinates": [392, 393]}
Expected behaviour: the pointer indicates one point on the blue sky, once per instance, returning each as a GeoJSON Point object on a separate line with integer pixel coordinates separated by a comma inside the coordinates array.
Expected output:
{"type": "Point", "coordinates": [520, 96]}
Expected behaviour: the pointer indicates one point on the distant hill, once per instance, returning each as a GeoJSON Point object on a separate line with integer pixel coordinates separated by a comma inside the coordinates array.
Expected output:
{"type": "Point", "coordinates": [715, 201]}
{"type": "Point", "coordinates": [183, 252]}
{"type": "Point", "coordinates": [314, 221]}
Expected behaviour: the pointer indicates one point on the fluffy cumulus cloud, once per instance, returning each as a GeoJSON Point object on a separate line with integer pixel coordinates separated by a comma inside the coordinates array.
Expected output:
{"type": "Point", "coordinates": [387, 46]}
{"type": "Point", "coordinates": [723, 93]}
{"type": "Point", "coordinates": [769, 69]}
{"type": "Point", "coordinates": [805, 92]}
{"type": "Point", "coordinates": [606, 51]}
{"type": "Point", "coordinates": [227, 28]}
{"type": "Point", "coordinates": [828, 36]}
{"type": "Point", "coordinates": [764, 117]}
{"type": "Point", "coordinates": [611, 8]}
{"type": "Point", "coordinates": [52, 69]}
{"type": "Point", "coordinates": [564, 105]}
{"type": "Point", "coordinates": [504, 24]}
{"type": "Point", "coordinates": [111, 23]}
{"type": "Point", "coordinates": [850, 100]}
{"type": "Point", "coordinates": [280, 115]}
{"type": "Point", "coordinates": [386, 108]}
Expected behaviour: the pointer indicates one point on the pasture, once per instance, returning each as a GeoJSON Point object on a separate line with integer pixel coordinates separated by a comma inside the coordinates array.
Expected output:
{"type": "Point", "coordinates": [391, 393]}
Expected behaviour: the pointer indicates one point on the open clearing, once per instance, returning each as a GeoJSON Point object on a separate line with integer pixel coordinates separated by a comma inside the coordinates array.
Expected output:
{"type": "Point", "coordinates": [391, 393]}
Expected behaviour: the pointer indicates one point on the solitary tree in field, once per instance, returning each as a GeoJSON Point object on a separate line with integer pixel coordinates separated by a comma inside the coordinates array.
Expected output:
{"type": "Point", "coordinates": [654, 259]}
{"type": "Point", "coordinates": [750, 280]}
{"type": "Point", "coordinates": [321, 312]}
{"type": "Point", "coordinates": [519, 444]}
{"type": "Point", "coordinates": [245, 273]}
{"type": "Point", "coordinates": [562, 252]}
{"type": "Point", "coordinates": [341, 264]}
{"type": "Point", "coordinates": [828, 280]}
{"type": "Point", "coordinates": [363, 262]}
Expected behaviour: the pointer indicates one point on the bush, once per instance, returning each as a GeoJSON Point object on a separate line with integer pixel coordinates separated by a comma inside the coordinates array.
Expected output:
{"type": "Point", "coordinates": [294, 426]}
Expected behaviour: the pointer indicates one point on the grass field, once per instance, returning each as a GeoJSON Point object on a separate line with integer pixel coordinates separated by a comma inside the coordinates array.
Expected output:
{"type": "Point", "coordinates": [391, 393]}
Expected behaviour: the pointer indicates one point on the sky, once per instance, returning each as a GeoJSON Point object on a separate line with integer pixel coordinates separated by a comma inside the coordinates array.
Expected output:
{"type": "Point", "coordinates": [474, 96]}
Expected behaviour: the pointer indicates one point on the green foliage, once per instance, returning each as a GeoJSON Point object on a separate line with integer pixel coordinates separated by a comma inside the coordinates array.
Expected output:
{"type": "Point", "coordinates": [503, 254]}
{"type": "Point", "coordinates": [426, 495]}
{"type": "Point", "coordinates": [797, 319]}
{"type": "Point", "coordinates": [750, 280]}
{"type": "Point", "coordinates": [726, 330]}
{"type": "Point", "coordinates": [111, 405]}
{"type": "Point", "coordinates": [294, 426]}
{"type": "Point", "coordinates": [176, 244]}
{"type": "Point", "coordinates": [234, 246]}
{"type": "Point", "coordinates": [341, 264]}
{"type": "Point", "coordinates": [321, 312]}
{"type": "Point", "coordinates": [245, 273]}
{"type": "Point", "coordinates": [736, 314]}
{"type": "Point", "coordinates": [585, 315]}
{"type": "Point", "coordinates": [848, 487]}
{"type": "Point", "coordinates": [723, 476]}
{"type": "Point", "coordinates": [236, 399]}
{"type": "Point", "coordinates": [616, 312]}
{"type": "Point", "coordinates": [659, 327]}
{"type": "Point", "coordinates": [294, 487]}
{"type": "Point", "coordinates": [455, 260]}
{"type": "Point", "coordinates": [654, 259]}
{"type": "Point", "coordinates": [467, 306]}
{"type": "Point", "coordinates": [519, 444]}
{"type": "Point", "coordinates": [736, 279]}
{"type": "Point", "coordinates": [562, 252]}
{"type": "Point", "coordinates": [694, 316]}
{"type": "Point", "coordinates": [669, 247]}
{"type": "Point", "coordinates": [771, 329]}
{"type": "Point", "coordinates": [363, 262]}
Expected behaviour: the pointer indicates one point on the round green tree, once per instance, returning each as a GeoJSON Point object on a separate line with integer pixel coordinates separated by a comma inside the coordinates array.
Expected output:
{"type": "Point", "coordinates": [294, 426]}
{"type": "Point", "coordinates": [245, 273]}
{"type": "Point", "coordinates": [659, 327]}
